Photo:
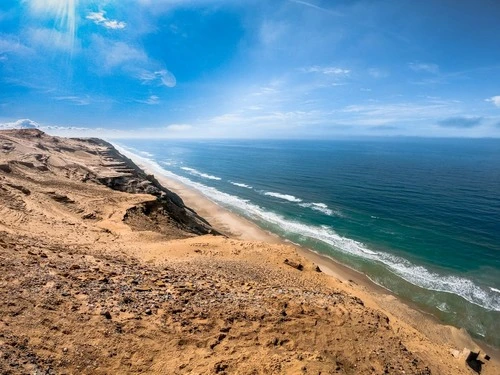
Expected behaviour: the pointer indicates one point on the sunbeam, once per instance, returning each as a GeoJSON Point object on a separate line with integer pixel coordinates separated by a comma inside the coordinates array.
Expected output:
{"type": "Point", "coordinates": [63, 13]}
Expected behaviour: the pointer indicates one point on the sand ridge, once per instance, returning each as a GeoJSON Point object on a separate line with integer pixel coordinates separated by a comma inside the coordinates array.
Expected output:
{"type": "Point", "coordinates": [97, 281]}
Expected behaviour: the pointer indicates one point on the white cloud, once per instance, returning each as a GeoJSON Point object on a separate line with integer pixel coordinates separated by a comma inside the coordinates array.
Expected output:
{"type": "Point", "coordinates": [118, 53]}
{"type": "Point", "coordinates": [99, 18]}
{"type": "Point", "coordinates": [377, 73]}
{"type": "Point", "coordinates": [495, 100]}
{"type": "Point", "coordinates": [51, 39]}
{"type": "Point", "coordinates": [314, 6]}
{"type": "Point", "coordinates": [152, 100]}
{"type": "Point", "coordinates": [382, 114]}
{"type": "Point", "coordinates": [160, 77]}
{"type": "Point", "coordinates": [20, 124]}
{"type": "Point", "coordinates": [74, 99]}
{"type": "Point", "coordinates": [422, 67]}
{"type": "Point", "coordinates": [328, 70]}
{"type": "Point", "coordinates": [112, 55]}
{"type": "Point", "coordinates": [272, 32]}
{"type": "Point", "coordinates": [10, 44]}
{"type": "Point", "coordinates": [177, 128]}
{"type": "Point", "coordinates": [170, 131]}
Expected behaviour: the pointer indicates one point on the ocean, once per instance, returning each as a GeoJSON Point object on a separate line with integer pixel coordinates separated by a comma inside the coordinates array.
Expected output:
{"type": "Point", "coordinates": [420, 217]}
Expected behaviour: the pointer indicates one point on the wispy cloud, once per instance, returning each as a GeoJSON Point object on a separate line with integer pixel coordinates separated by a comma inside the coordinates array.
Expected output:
{"type": "Point", "coordinates": [328, 70]}
{"type": "Point", "coordinates": [74, 99]}
{"type": "Point", "coordinates": [384, 114]}
{"type": "Point", "coordinates": [179, 128]}
{"type": "Point", "coordinates": [378, 73]}
{"type": "Point", "coordinates": [51, 39]}
{"type": "Point", "coordinates": [115, 54]}
{"type": "Point", "coordinates": [424, 67]}
{"type": "Point", "coordinates": [99, 18]}
{"type": "Point", "coordinates": [272, 32]}
{"type": "Point", "coordinates": [317, 7]}
{"type": "Point", "coordinates": [159, 78]}
{"type": "Point", "coordinates": [152, 100]}
{"type": "Point", "coordinates": [12, 45]}
{"type": "Point", "coordinates": [383, 128]}
{"type": "Point", "coordinates": [461, 122]}
{"type": "Point", "coordinates": [495, 100]}
{"type": "Point", "coordinates": [132, 60]}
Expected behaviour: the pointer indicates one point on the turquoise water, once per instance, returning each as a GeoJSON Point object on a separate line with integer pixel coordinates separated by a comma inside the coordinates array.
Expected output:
{"type": "Point", "coordinates": [419, 217]}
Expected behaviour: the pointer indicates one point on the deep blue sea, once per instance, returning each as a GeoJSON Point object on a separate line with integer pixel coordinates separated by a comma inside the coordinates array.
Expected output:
{"type": "Point", "coordinates": [420, 217]}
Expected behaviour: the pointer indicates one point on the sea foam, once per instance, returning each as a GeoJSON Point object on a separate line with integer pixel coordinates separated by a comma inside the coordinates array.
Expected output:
{"type": "Point", "coordinates": [200, 174]}
{"type": "Point", "coordinates": [240, 185]}
{"type": "Point", "coordinates": [321, 207]}
{"type": "Point", "coordinates": [417, 275]}
{"type": "Point", "coordinates": [286, 197]}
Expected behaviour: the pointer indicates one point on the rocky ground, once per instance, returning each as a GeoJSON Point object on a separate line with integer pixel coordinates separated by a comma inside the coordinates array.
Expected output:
{"type": "Point", "coordinates": [103, 271]}
{"type": "Point", "coordinates": [65, 311]}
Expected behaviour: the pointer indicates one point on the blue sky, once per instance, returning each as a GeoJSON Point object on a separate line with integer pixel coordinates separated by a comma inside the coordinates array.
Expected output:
{"type": "Point", "coordinates": [251, 68]}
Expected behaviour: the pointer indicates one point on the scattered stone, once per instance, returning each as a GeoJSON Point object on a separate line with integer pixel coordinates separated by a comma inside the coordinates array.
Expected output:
{"type": "Point", "coordinates": [127, 299]}
{"type": "Point", "coordinates": [143, 289]}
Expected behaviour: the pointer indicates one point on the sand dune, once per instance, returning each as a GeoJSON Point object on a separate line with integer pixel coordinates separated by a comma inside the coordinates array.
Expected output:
{"type": "Point", "coordinates": [106, 271]}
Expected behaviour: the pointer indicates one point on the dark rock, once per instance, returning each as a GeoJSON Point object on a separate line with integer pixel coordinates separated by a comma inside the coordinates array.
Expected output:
{"type": "Point", "coordinates": [474, 362]}
{"type": "Point", "coordinates": [293, 264]}
{"type": "Point", "coordinates": [5, 168]}
{"type": "Point", "coordinates": [22, 189]}
{"type": "Point", "coordinates": [60, 198]}
{"type": "Point", "coordinates": [220, 367]}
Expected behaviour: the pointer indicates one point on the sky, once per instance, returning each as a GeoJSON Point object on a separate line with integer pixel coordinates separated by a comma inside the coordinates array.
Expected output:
{"type": "Point", "coordinates": [251, 68]}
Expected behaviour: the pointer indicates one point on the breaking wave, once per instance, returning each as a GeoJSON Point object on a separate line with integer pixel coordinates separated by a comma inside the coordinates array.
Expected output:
{"type": "Point", "coordinates": [200, 174]}
{"type": "Point", "coordinates": [240, 185]}
{"type": "Point", "coordinates": [286, 197]}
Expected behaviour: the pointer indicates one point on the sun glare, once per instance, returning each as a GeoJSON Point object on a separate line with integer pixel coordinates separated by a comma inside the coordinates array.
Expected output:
{"type": "Point", "coordinates": [63, 13]}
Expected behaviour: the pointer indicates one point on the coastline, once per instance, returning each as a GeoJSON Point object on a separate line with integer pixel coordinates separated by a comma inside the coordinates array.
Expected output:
{"type": "Point", "coordinates": [107, 271]}
{"type": "Point", "coordinates": [351, 281]}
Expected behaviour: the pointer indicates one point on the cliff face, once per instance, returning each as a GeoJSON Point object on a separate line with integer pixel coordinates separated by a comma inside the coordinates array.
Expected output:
{"type": "Point", "coordinates": [96, 161]}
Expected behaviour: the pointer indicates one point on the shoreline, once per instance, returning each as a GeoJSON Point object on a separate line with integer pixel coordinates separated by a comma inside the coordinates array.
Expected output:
{"type": "Point", "coordinates": [352, 281]}
{"type": "Point", "coordinates": [102, 276]}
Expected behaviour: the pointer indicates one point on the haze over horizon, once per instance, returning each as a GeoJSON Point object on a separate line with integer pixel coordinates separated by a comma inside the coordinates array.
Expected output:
{"type": "Point", "coordinates": [251, 69]}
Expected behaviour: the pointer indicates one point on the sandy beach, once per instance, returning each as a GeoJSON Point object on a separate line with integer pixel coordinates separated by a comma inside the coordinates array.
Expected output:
{"type": "Point", "coordinates": [108, 270]}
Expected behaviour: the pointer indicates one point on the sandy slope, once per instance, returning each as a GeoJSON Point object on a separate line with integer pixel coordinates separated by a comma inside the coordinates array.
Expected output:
{"type": "Point", "coordinates": [95, 280]}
